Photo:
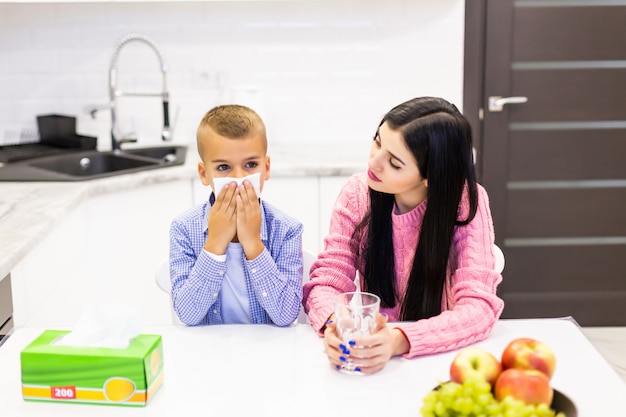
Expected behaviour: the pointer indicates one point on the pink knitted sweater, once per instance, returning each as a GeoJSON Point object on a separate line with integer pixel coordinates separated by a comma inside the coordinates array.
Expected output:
{"type": "Point", "coordinates": [470, 304]}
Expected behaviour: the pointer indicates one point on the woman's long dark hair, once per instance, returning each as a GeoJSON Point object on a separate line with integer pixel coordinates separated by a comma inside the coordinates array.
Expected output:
{"type": "Point", "coordinates": [440, 139]}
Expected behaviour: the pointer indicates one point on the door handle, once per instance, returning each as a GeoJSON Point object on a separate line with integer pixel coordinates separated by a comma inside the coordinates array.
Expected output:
{"type": "Point", "coordinates": [496, 103]}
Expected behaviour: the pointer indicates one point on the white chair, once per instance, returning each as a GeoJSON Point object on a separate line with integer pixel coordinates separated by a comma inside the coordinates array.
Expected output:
{"type": "Point", "coordinates": [308, 258]}
{"type": "Point", "coordinates": [163, 281]}
{"type": "Point", "coordinates": [499, 258]}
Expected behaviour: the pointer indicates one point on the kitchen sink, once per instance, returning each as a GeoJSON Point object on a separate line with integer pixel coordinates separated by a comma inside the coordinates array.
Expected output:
{"type": "Point", "coordinates": [92, 164]}
{"type": "Point", "coordinates": [168, 154]}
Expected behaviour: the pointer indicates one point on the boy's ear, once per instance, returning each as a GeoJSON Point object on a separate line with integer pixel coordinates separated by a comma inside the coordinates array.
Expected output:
{"type": "Point", "coordinates": [202, 174]}
{"type": "Point", "coordinates": [267, 167]}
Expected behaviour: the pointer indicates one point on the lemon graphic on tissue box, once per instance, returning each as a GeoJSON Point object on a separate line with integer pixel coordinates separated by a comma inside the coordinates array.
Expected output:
{"type": "Point", "coordinates": [127, 376]}
{"type": "Point", "coordinates": [118, 389]}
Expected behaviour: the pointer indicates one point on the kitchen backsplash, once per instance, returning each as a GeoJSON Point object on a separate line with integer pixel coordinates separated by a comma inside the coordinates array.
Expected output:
{"type": "Point", "coordinates": [321, 73]}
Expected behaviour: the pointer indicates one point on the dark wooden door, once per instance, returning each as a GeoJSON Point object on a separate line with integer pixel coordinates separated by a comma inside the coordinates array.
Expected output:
{"type": "Point", "coordinates": [554, 166]}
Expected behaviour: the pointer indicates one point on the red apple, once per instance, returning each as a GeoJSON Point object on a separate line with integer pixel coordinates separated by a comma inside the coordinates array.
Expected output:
{"type": "Point", "coordinates": [528, 385]}
{"type": "Point", "coordinates": [527, 353]}
{"type": "Point", "coordinates": [475, 362]}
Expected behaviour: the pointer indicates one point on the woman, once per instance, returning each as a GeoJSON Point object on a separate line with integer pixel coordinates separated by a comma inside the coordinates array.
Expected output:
{"type": "Point", "coordinates": [418, 229]}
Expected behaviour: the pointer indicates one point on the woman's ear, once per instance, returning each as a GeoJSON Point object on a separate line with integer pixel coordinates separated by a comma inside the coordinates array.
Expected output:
{"type": "Point", "coordinates": [202, 174]}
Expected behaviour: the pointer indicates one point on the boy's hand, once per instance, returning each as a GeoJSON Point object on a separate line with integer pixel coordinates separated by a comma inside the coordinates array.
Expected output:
{"type": "Point", "coordinates": [222, 220]}
{"type": "Point", "coordinates": [249, 221]}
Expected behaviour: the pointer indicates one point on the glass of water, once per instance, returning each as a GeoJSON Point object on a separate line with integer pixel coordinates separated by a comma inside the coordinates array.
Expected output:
{"type": "Point", "coordinates": [355, 315]}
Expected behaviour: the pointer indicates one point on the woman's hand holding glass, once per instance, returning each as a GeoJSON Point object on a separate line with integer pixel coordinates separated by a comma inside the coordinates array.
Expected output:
{"type": "Point", "coordinates": [368, 353]}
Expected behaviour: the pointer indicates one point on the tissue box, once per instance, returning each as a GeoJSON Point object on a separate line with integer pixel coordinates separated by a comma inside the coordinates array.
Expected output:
{"type": "Point", "coordinates": [126, 377]}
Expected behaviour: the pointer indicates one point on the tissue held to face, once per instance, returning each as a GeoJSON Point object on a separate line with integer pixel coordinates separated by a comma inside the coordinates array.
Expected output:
{"type": "Point", "coordinates": [233, 158]}
{"type": "Point", "coordinates": [254, 180]}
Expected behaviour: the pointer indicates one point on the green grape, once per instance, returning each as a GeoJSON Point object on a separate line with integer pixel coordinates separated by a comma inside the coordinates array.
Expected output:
{"type": "Point", "coordinates": [473, 398]}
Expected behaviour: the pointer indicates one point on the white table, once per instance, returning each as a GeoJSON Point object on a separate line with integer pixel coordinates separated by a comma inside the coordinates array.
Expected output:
{"type": "Point", "coordinates": [263, 370]}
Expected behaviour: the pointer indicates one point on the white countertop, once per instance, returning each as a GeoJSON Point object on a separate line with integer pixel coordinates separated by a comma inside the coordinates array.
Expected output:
{"type": "Point", "coordinates": [28, 210]}
{"type": "Point", "coordinates": [262, 370]}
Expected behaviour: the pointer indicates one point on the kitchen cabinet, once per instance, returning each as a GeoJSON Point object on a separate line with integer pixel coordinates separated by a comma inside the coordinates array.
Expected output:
{"type": "Point", "coordinates": [128, 238]}
{"type": "Point", "coordinates": [298, 197]}
{"type": "Point", "coordinates": [329, 191]}
{"type": "Point", "coordinates": [6, 307]}
{"type": "Point", "coordinates": [58, 256]}
{"type": "Point", "coordinates": [200, 192]}
{"type": "Point", "coordinates": [104, 252]}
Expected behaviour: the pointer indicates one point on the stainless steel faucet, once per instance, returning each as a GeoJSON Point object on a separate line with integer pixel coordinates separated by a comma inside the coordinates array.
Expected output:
{"type": "Point", "coordinates": [114, 93]}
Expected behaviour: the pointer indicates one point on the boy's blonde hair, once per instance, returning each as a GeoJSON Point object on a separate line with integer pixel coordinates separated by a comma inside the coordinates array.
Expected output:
{"type": "Point", "coordinates": [233, 121]}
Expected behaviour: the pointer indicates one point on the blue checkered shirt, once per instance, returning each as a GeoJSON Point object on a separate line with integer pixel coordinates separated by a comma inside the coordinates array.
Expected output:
{"type": "Point", "coordinates": [273, 279]}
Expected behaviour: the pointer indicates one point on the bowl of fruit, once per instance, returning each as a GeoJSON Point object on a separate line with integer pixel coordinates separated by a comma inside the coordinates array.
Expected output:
{"type": "Point", "coordinates": [517, 385]}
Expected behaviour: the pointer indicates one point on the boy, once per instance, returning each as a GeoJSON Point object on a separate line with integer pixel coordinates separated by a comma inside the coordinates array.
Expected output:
{"type": "Point", "coordinates": [235, 258]}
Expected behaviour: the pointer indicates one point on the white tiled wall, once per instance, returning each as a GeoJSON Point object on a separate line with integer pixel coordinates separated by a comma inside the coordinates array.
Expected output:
{"type": "Point", "coordinates": [319, 72]}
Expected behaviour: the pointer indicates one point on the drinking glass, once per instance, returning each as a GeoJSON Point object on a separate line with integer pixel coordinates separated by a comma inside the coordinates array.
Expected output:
{"type": "Point", "coordinates": [355, 315]}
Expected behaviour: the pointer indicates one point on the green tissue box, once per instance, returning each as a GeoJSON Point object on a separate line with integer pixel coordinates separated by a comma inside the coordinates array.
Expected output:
{"type": "Point", "coordinates": [92, 375]}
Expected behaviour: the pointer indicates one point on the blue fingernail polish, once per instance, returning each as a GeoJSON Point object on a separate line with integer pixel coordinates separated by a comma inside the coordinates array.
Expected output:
{"type": "Point", "coordinates": [329, 321]}
{"type": "Point", "coordinates": [384, 314]}
{"type": "Point", "coordinates": [346, 352]}
{"type": "Point", "coordinates": [337, 367]}
{"type": "Point", "coordinates": [352, 343]}
{"type": "Point", "coordinates": [357, 369]}
{"type": "Point", "coordinates": [342, 359]}
{"type": "Point", "coordinates": [342, 346]}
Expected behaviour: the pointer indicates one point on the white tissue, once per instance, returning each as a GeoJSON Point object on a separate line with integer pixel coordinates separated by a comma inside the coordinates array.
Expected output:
{"type": "Point", "coordinates": [105, 326]}
{"type": "Point", "coordinates": [254, 179]}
